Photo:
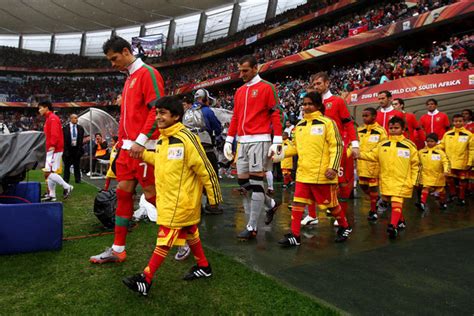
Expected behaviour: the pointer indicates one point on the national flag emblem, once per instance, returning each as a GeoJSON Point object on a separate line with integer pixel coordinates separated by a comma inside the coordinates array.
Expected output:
{"type": "Point", "coordinates": [328, 105]}
{"type": "Point", "coordinates": [254, 93]}
{"type": "Point", "coordinates": [438, 119]}
{"type": "Point", "coordinates": [132, 83]}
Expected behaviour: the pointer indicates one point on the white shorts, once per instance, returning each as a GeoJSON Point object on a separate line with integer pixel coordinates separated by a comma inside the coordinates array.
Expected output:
{"type": "Point", "coordinates": [53, 162]}
{"type": "Point", "coordinates": [253, 157]}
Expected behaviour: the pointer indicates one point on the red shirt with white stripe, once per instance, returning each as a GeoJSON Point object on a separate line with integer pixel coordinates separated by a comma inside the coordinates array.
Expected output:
{"type": "Point", "coordinates": [137, 118]}
{"type": "Point", "coordinates": [384, 115]}
{"type": "Point", "coordinates": [435, 122]}
{"type": "Point", "coordinates": [336, 109]}
{"type": "Point", "coordinates": [256, 114]}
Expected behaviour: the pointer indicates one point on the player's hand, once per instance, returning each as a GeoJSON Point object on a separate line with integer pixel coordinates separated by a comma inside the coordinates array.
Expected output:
{"type": "Point", "coordinates": [136, 151]}
{"type": "Point", "coordinates": [51, 149]}
{"type": "Point", "coordinates": [279, 156]}
{"type": "Point", "coordinates": [275, 150]}
{"type": "Point", "coordinates": [355, 152]}
{"type": "Point", "coordinates": [330, 174]}
{"type": "Point", "coordinates": [228, 151]}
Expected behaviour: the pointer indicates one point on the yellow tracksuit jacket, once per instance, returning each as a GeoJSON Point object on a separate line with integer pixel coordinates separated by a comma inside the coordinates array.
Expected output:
{"type": "Point", "coordinates": [319, 146]}
{"type": "Point", "coordinates": [111, 170]}
{"type": "Point", "coordinates": [458, 144]}
{"type": "Point", "coordinates": [181, 171]}
{"type": "Point", "coordinates": [287, 163]}
{"type": "Point", "coordinates": [434, 163]}
{"type": "Point", "coordinates": [369, 137]}
{"type": "Point", "coordinates": [399, 165]}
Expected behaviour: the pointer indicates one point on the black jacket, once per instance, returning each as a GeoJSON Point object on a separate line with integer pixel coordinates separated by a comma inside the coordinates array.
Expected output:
{"type": "Point", "coordinates": [69, 150]}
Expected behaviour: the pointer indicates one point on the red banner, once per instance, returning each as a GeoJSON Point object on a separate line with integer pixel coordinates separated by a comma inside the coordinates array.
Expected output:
{"type": "Point", "coordinates": [48, 70]}
{"type": "Point", "coordinates": [357, 30]}
{"type": "Point", "coordinates": [454, 10]}
{"type": "Point", "coordinates": [415, 87]}
{"type": "Point", "coordinates": [339, 5]}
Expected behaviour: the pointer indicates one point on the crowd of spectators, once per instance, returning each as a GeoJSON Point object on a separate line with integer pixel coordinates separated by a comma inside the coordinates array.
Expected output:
{"type": "Point", "coordinates": [14, 57]}
{"type": "Point", "coordinates": [376, 16]}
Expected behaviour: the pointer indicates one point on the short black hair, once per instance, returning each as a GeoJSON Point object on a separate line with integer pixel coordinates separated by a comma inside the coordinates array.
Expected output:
{"type": "Point", "coordinates": [457, 116]}
{"type": "Point", "coordinates": [468, 111]}
{"type": "Point", "coordinates": [432, 136]}
{"type": "Point", "coordinates": [188, 98]}
{"type": "Point", "coordinates": [116, 44]}
{"type": "Point", "coordinates": [172, 104]}
{"type": "Point", "coordinates": [317, 101]}
{"type": "Point", "coordinates": [400, 100]}
{"type": "Point", "coordinates": [372, 111]}
{"type": "Point", "coordinates": [115, 138]}
{"type": "Point", "coordinates": [46, 104]}
{"type": "Point", "coordinates": [397, 120]}
{"type": "Point", "coordinates": [432, 100]}
{"type": "Point", "coordinates": [95, 135]}
{"type": "Point", "coordinates": [387, 93]}
{"type": "Point", "coordinates": [248, 59]}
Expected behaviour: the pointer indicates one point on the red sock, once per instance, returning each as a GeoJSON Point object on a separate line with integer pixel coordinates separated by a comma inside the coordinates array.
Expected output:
{"type": "Point", "coordinates": [462, 189]}
{"type": "Point", "coordinates": [196, 248]}
{"type": "Point", "coordinates": [155, 262]}
{"type": "Point", "coordinates": [451, 186]}
{"type": "Point", "coordinates": [107, 184]}
{"type": "Point", "coordinates": [296, 217]}
{"type": "Point", "coordinates": [374, 196]}
{"type": "Point", "coordinates": [312, 210]}
{"type": "Point", "coordinates": [396, 213]}
{"type": "Point", "coordinates": [339, 213]}
{"type": "Point", "coordinates": [424, 195]}
{"type": "Point", "coordinates": [123, 214]}
{"type": "Point", "coordinates": [151, 200]}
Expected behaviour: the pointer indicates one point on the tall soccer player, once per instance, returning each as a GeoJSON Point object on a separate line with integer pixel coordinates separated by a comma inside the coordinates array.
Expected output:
{"type": "Point", "coordinates": [386, 111]}
{"type": "Point", "coordinates": [137, 133]}
{"type": "Point", "coordinates": [256, 116]}
{"type": "Point", "coordinates": [336, 109]}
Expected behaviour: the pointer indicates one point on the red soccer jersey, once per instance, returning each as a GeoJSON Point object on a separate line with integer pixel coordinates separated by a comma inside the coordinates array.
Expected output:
{"type": "Point", "coordinates": [336, 109]}
{"type": "Point", "coordinates": [469, 126]}
{"type": "Point", "coordinates": [137, 117]}
{"type": "Point", "coordinates": [256, 113]}
{"type": "Point", "coordinates": [383, 116]}
{"type": "Point", "coordinates": [436, 122]}
{"type": "Point", "coordinates": [54, 133]}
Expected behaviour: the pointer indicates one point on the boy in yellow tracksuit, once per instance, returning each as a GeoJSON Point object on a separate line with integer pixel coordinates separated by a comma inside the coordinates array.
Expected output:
{"type": "Point", "coordinates": [370, 135]}
{"type": "Point", "coordinates": [434, 167]}
{"type": "Point", "coordinates": [458, 143]}
{"type": "Point", "coordinates": [399, 171]}
{"type": "Point", "coordinates": [319, 146]}
{"type": "Point", "coordinates": [182, 170]}
{"type": "Point", "coordinates": [287, 163]}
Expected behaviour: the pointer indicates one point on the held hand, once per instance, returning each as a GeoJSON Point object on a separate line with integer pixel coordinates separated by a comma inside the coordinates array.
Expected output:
{"type": "Point", "coordinates": [136, 151]}
{"type": "Point", "coordinates": [51, 149]}
{"type": "Point", "coordinates": [330, 174]}
{"type": "Point", "coordinates": [228, 151]}
{"type": "Point", "coordinates": [355, 152]}
{"type": "Point", "coordinates": [279, 156]}
{"type": "Point", "coordinates": [275, 149]}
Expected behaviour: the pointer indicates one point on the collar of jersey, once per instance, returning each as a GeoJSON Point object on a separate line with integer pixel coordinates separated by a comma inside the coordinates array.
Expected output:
{"type": "Point", "coordinates": [172, 130]}
{"type": "Point", "coordinates": [327, 95]}
{"type": "Point", "coordinates": [134, 66]}
{"type": "Point", "coordinates": [254, 80]}
{"type": "Point", "coordinates": [312, 115]}
{"type": "Point", "coordinates": [433, 113]}
{"type": "Point", "coordinates": [397, 138]}
{"type": "Point", "coordinates": [388, 109]}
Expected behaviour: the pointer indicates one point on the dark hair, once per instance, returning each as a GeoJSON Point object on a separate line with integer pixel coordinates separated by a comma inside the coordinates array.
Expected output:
{"type": "Point", "coordinates": [397, 120]}
{"type": "Point", "coordinates": [372, 111]}
{"type": "Point", "coordinates": [172, 104]}
{"type": "Point", "coordinates": [95, 135]}
{"type": "Point", "coordinates": [387, 93]}
{"type": "Point", "coordinates": [317, 101]}
{"type": "Point", "coordinates": [457, 116]}
{"type": "Point", "coordinates": [432, 136]}
{"type": "Point", "coordinates": [432, 100]}
{"type": "Point", "coordinates": [116, 44]}
{"type": "Point", "coordinates": [188, 98]}
{"type": "Point", "coordinates": [248, 59]}
{"type": "Point", "coordinates": [115, 138]}
{"type": "Point", "coordinates": [46, 104]}
{"type": "Point", "coordinates": [468, 111]}
{"type": "Point", "coordinates": [400, 100]}
{"type": "Point", "coordinates": [323, 75]}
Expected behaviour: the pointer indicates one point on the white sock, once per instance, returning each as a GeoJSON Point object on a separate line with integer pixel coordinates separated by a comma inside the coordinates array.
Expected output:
{"type": "Point", "coordinates": [57, 178]}
{"type": "Point", "coordinates": [269, 175]}
{"type": "Point", "coordinates": [51, 187]}
{"type": "Point", "coordinates": [118, 248]}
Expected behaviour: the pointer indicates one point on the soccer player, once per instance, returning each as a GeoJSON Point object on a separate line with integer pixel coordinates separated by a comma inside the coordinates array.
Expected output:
{"type": "Point", "coordinates": [287, 163]}
{"type": "Point", "coordinates": [387, 110]}
{"type": "Point", "coordinates": [458, 143]}
{"type": "Point", "coordinates": [399, 171]}
{"type": "Point", "coordinates": [319, 147]}
{"type": "Point", "coordinates": [370, 135]}
{"type": "Point", "coordinates": [182, 170]}
{"type": "Point", "coordinates": [336, 109]}
{"type": "Point", "coordinates": [54, 151]}
{"type": "Point", "coordinates": [414, 131]}
{"type": "Point", "coordinates": [435, 168]}
{"type": "Point", "coordinates": [468, 123]}
{"type": "Point", "coordinates": [434, 121]}
{"type": "Point", "coordinates": [137, 133]}
{"type": "Point", "coordinates": [256, 116]}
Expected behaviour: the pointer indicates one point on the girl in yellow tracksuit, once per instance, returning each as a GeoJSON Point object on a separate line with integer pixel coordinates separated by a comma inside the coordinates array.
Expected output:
{"type": "Point", "coordinates": [111, 171]}
{"type": "Point", "coordinates": [458, 143]}
{"type": "Point", "coordinates": [287, 163]}
{"type": "Point", "coordinates": [399, 171]}
{"type": "Point", "coordinates": [182, 171]}
{"type": "Point", "coordinates": [370, 135]}
{"type": "Point", "coordinates": [434, 167]}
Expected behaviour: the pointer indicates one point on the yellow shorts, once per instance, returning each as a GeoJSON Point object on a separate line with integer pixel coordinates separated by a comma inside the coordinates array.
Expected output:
{"type": "Point", "coordinates": [176, 236]}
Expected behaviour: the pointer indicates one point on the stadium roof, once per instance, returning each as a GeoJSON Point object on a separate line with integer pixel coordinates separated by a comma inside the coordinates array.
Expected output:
{"type": "Point", "coordinates": [63, 16]}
